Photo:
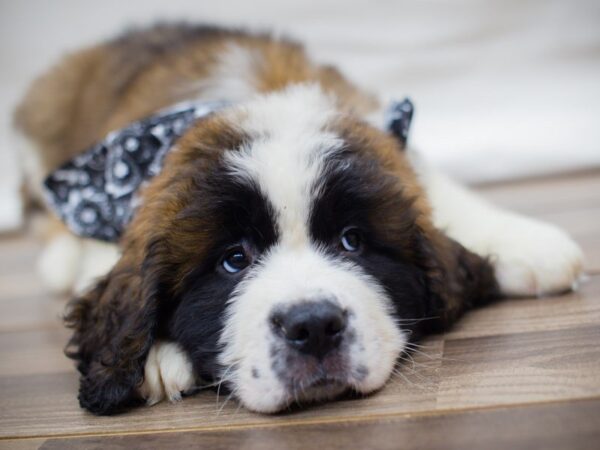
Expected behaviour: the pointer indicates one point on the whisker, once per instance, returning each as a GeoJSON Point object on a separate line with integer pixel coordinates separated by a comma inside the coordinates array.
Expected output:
{"type": "Point", "coordinates": [417, 374]}
{"type": "Point", "coordinates": [414, 344]}
{"type": "Point", "coordinates": [222, 378]}
{"type": "Point", "coordinates": [211, 385]}
{"type": "Point", "coordinates": [401, 375]}
{"type": "Point", "coordinates": [238, 408]}
{"type": "Point", "coordinates": [225, 402]}
{"type": "Point", "coordinates": [415, 320]}
{"type": "Point", "coordinates": [426, 385]}
{"type": "Point", "coordinates": [412, 348]}
{"type": "Point", "coordinates": [295, 394]}
{"type": "Point", "coordinates": [429, 357]}
{"type": "Point", "coordinates": [408, 356]}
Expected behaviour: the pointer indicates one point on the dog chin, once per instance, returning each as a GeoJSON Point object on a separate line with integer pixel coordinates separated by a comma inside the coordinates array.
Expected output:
{"type": "Point", "coordinates": [321, 390]}
{"type": "Point", "coordinates": [307, 381]}
{"type": "Point", "coordinates": [318, 391]}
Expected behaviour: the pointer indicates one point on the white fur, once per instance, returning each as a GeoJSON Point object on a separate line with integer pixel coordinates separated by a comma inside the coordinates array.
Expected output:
{"type": "Point", "coordinates": [290, 143]}
{"type": "Point", "coordinates": [232, 79]}
{"type": "Point", "coordinates": [530, 257]}
{"type": "Point", "coordinates": [97, 259]}
{"type": "Point", "coordinates": [58, 264]}
{"type": "Point", "coordinates": [69, 264]}
{"type": "Point", "coordinates": [167, 374]}
{"type": "Point", "coordinates": [285, 159]}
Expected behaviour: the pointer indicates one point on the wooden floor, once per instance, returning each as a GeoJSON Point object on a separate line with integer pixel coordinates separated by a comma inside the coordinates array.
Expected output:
{"type": "Point", "coordinates": [519, 374]}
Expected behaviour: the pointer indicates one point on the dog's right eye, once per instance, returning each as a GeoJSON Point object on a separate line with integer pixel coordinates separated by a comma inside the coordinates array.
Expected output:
{"type": "Point", "coordinates": [235, 260]}
{"type": "Point", "coordinates": [351, 240]}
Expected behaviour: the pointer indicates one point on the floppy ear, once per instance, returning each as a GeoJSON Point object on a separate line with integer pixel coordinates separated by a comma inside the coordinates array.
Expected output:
{"type": "Point", "coordinates": [457, 279]}
{"type": "Point", "coordinates": [114, 327]}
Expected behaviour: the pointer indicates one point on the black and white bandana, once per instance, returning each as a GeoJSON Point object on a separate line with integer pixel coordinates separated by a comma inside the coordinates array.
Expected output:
{"type": "Point", "coordinates": [95, 193]}
{"type": "Point", "coordinates": [398, 118]}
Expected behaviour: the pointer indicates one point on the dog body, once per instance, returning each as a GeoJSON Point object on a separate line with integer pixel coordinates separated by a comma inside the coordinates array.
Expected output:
{"type": "Point", "coordinates": [288, 249]}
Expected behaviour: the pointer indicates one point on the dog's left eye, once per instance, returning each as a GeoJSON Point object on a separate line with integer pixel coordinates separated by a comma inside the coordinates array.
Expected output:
{"type": "Point", "coordinates": [351, 240]}
{"type": "Point", "coordinates": [235, 260]}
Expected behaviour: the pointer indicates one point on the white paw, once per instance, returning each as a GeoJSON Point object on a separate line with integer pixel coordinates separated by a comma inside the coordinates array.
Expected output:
{"type": "Point", "coordinates": [58, 263]}
{"type": "Point", "coordinates": [96, 260]}
{"type": "Point", "coordinates": [167, 374]}
{"type": "Point", "coordinates": [533, 258]}
{"type": "Point", "coordinates": [70, 265]}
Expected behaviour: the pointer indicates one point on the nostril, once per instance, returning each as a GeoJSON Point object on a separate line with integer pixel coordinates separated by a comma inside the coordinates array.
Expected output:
{"type": "Point", "coordinates": [298, 334]}
{"type": "Point", "coordinates": [290, 330]}
{"type": "Point", "coordinates": [335, 326]}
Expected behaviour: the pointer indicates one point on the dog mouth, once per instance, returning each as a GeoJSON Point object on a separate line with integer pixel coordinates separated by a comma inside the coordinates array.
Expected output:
{"type": "Point", "coordinates": [317, 385]}
{"type": "Point", "coordinates": [326, 381]}
{"type": "Point", "coordinates": [317, 390]}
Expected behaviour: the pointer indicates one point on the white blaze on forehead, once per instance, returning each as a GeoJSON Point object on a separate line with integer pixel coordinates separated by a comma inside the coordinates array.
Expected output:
{"type": "Point", "coordinates": [290, 141]}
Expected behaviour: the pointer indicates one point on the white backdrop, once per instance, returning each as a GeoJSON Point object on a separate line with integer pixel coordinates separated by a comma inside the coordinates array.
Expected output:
{"type": "Point", "coordinates": [503, 88]}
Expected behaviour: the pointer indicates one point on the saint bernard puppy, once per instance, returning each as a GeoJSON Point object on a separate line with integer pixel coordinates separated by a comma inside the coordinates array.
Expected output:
{"type": "Point", "coordinates": [288, 250]}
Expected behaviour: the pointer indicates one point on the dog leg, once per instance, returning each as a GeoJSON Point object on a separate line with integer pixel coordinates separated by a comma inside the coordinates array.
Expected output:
{"type": "Point", "coordinates": [531, 258]}
{"type": "Point", "coordinates": [168, 372]}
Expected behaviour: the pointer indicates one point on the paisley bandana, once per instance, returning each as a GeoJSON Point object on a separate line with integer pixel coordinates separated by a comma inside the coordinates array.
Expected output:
{"type": "Point", "coordinates": [95, 193]}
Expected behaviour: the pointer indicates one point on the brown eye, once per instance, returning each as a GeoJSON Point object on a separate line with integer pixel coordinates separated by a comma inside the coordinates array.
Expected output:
{"type": "Point", "coordinates": [235, 260]}
{"type": "Point", "coordinates": [351, 240]}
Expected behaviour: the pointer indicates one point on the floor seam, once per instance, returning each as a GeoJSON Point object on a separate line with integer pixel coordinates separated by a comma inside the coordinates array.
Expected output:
{"type": "Point", "coordinates": [309, 422]}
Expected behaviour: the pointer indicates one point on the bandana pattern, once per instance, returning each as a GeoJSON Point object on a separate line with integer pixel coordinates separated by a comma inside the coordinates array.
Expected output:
{"type": "Point", "coordinates": [95, 193]}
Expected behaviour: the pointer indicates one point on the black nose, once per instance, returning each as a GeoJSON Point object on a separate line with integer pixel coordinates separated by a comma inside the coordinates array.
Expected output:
{"type": "Point", "coordinates": [313, 328]}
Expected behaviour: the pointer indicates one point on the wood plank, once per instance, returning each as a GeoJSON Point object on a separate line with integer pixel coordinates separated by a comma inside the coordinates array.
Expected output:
{"type": "Point", "coordinates": [34, 352]}
{"type": "Point", "coordinates": [18, 253]}
{"type": "Point", "coordinates": [24, 302]}
{"type": "Point", "coordinates": [30, 312]}
{"type": "Point", "coordinates": [574, 425]}
{"type": "Point", "coordinates": [581, 308]}
{"type": "Point", "coordinates": [21, 444]}
{"type": "Point", "coordinates": [521, 367]}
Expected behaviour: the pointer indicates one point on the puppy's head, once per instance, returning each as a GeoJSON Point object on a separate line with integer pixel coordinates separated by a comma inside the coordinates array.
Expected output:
{"type": "Point", "coordinates": [287, 248]}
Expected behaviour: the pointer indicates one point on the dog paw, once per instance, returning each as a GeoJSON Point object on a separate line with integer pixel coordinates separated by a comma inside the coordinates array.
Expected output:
{"type": "Point", "coordinates": [167, 374]}
{"type": "Point", "coordinates": [532, 258]}
{"type": "Point", "coordinates": [58, 263]}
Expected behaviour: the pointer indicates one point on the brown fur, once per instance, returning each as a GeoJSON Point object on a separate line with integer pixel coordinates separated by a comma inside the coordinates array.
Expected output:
{"type": "Point", "coordinates": [103, 88]}
{"type": "Point", "coordinates": [115, 323]}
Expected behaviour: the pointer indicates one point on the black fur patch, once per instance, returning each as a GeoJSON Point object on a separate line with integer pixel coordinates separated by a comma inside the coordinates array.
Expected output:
{"type": "Point", "coordinates": [243, 214]}
{"type": "Point", "coordinates": [355, 194]}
